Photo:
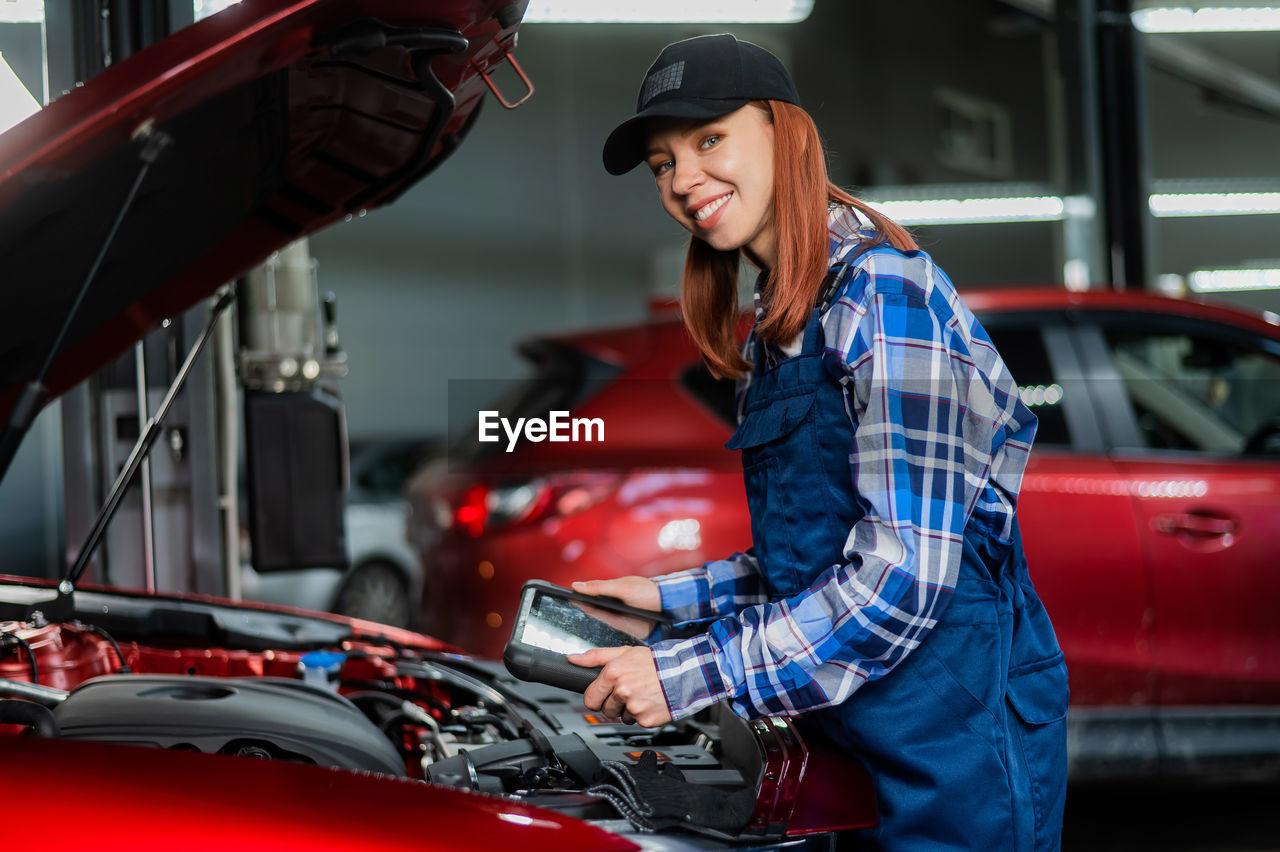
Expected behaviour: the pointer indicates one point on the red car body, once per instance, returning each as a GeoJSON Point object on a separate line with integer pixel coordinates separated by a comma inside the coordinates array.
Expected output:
{"type": "Point", "coordinates": [1156, 563]}
{"type": "Point", "coordinates": [203, 723]}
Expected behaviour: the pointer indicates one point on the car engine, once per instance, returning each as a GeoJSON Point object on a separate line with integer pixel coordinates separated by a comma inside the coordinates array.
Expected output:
{"type": "Point", "coordinates": [409, 712]}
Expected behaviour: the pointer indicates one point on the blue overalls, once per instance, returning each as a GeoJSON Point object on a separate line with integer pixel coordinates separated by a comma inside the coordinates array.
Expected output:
{"type": "Point", "coordinates": [966, 737]}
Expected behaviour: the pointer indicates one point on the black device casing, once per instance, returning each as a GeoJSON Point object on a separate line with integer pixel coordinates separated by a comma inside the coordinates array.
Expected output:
{"type": "Point", "coordinates": [543, 666]}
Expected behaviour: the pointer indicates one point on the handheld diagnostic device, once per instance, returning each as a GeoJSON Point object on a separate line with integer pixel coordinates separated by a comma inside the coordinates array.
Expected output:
{"type": "Point", "coordinates": [553, 621]}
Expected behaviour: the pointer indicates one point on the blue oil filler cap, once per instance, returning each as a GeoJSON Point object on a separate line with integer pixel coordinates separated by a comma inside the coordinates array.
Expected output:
{"type": "Point", "coordinates": [323, 668]}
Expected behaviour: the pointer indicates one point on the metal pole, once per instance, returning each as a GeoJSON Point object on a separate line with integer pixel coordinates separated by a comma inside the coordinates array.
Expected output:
{"type": "Point", "coordinates": [1081, 158]}
{"type": "Point", "coordinates": [228, 454]}
{"type": "Point", "coordinates": [148, 524]}
{"type": "Point", "coordinates": [1127, 180]}
{"type": "Point", "coordinates": [1101, 58]}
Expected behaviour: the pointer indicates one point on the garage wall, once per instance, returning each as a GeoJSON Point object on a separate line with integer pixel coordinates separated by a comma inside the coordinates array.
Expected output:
{"type": "Point", "coordinates": [411, 324]}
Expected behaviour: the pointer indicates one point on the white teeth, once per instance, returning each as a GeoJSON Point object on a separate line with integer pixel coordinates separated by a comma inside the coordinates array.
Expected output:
{"type": "Point", "coordinates": [706, 211]}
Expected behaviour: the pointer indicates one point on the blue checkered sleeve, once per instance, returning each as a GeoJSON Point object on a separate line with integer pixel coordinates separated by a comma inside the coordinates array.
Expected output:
{"type": "Point", "coordinates": [716, 589]}
{"type": "Point", "coordinates": [939, 433]}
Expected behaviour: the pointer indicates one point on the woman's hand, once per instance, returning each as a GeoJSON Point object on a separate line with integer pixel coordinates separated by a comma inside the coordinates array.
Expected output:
{"type": "Point", "coordinates": [638, 592]}
{"type": "Point", "coordinates": [628, 686]}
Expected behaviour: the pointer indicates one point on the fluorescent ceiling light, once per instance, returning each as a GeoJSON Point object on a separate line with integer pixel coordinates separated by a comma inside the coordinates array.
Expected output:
{"type": "Point", "coordinates": [956, 211]}
{"type": "Point", "coordinates": [21, 11]}
{"type": "Point", "coordinates": [16, 103]}
{"type": "Point", "coordinates": [1220, 19]}
{"type": "Point", "coordinates": [669, 11]}
{"type": "Point", "coordinates": [957, 204]}
{"type": "Point", "coordinates": [1214, 203]}
{"type": "Point", "coordinates": [1226, 280]}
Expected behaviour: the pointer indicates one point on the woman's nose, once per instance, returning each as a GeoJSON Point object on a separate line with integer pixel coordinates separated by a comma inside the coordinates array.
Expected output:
{"type": "Point", "coordinates": [688, 174]}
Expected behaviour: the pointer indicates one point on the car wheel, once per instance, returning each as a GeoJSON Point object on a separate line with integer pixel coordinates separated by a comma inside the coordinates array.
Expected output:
{"type": "Point", "coordinates": [375, 592]}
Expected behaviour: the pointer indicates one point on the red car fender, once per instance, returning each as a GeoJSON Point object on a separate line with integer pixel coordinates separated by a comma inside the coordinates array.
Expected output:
{"type": "Point", "coordinates": [82, 795]}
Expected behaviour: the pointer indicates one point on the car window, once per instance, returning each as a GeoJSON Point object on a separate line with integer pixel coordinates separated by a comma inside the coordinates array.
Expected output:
{"type": "Point", "coordinates": [1023, 350]}
{"type": "Point", "coordinates": [1192, 389]}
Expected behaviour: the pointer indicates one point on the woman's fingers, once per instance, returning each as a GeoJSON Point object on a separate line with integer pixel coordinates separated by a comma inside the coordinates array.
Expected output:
{"type": "Point", "coordinates": [628, 685]}
{"type": "Point", "coordinates": [597, 656]}
{"type": "Point", "coordinates": [599, 690]}
{"type": "Point", "coordinates": [639, 592]}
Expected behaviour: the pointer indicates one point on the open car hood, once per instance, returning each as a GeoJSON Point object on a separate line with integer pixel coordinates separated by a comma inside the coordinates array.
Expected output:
{"type": "Point", "coordinates": [279, 117]}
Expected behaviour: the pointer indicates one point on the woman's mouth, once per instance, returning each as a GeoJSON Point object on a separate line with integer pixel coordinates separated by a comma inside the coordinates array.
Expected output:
{"type": "Point", "coordinates": [708, 214]}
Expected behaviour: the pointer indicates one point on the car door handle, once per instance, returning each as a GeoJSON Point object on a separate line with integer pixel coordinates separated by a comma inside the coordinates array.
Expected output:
{"type": "Point", "coordinates": [1199, 525]}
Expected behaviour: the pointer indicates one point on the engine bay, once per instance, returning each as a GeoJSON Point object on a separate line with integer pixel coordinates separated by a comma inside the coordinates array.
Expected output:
{"type": "Point", "coordinates": [389, 707]}
{"type": "Point", "coordinates": [473, 730]}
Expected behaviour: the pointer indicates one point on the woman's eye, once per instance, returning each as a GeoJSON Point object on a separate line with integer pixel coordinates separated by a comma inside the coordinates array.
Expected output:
{"type": "Point", "coordinates": [659, 168]}
{"type": "Point", "coordinates": [709, 141]}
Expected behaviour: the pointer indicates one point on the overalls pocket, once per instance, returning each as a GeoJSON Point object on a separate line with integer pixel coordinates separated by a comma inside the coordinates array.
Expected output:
{"type": "Point", "coordinates": [782, 477]}
{"type": "Point", "coordinates": [774, 421]}
{"type": "Point", "coordinates": [1038, 695]}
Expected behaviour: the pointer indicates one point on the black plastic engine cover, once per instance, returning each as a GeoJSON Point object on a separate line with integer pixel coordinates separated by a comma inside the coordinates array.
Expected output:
{"type": "Point", "coordinates": [263, 717]}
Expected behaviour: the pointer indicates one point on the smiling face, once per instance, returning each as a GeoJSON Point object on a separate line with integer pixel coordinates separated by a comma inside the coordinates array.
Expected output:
{"type": "Point", "coordinates": [716, 179]}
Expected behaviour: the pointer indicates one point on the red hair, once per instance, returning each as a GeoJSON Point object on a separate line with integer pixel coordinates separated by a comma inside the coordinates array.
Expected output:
{"type": "Point", "coordinates": [801, 195]}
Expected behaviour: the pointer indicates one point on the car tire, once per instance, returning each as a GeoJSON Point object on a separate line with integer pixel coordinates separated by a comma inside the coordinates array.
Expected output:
{"type": "Point", "coordinates": [377, 592]}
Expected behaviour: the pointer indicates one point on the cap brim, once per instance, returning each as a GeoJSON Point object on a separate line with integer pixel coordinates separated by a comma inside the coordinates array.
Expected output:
{"type": "Point", "coordinates": [625, 147]}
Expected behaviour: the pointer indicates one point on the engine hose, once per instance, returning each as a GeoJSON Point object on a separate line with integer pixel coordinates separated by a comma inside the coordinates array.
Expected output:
{"type": "Point", "coordinates": [399, 692]}
{"type": "Point", "coordinates": [392, 721]}
{"type": "Point", "coordinates": [490, 719]}
{"type": "Point", "coordinates": [395, 719]}
{"type": "Point", "coordinates": [45, 695]}
{"type": "Point", "coordinates": [374, 697]}
{"type": "Point", "coordinates": [115, 646]}
{"type": "Point", "coordinates": [15, 711]}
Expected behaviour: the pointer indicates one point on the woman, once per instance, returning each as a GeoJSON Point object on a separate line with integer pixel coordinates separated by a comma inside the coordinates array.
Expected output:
{"type": "Point", "coordinates": [885, 599]}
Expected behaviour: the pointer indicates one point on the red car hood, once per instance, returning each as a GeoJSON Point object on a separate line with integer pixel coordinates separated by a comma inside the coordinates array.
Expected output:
{"type": "Point", "coordinates": [282, 118]}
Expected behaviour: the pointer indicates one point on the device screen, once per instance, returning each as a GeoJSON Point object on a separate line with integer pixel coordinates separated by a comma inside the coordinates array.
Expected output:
{"type": "Point", "coordinates": [562, 626]}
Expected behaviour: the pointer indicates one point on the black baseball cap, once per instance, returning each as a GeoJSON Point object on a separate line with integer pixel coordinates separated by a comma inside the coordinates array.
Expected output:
{"type": "Point", "coordinates": [701, 78]}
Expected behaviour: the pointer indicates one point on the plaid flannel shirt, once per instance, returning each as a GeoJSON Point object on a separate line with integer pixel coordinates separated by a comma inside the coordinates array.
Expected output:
{"type": "Point", "coordinates": [940, 436]}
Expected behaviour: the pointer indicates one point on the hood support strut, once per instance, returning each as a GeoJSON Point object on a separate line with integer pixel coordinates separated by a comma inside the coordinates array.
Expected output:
{"type": "Point", "coordinates": [62, 607]}
{"type": "Point", "coordinates": [143, 445]}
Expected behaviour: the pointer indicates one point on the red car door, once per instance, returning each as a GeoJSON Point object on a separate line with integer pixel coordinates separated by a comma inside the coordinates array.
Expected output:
{"type": "Point", "coordinates": [1202, 464]}
{"type": "Point", "coordinates": [1211, 542]}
